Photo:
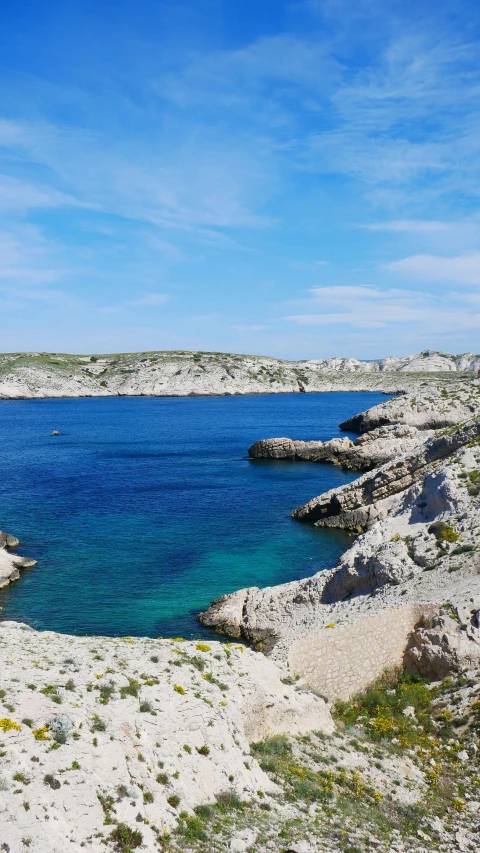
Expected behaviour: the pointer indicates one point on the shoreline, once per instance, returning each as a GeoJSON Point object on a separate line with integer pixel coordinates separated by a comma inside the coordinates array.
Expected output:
{"type": "Point", "coordinates": [205, 745]}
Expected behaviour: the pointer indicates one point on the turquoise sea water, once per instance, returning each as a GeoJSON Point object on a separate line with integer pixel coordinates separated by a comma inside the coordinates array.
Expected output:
{"type": "Point", "coordinates": [144, 509]}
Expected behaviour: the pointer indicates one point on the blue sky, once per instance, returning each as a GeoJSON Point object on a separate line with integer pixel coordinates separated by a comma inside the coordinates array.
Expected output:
{"type": "Point", "coordinates": [299, 179]}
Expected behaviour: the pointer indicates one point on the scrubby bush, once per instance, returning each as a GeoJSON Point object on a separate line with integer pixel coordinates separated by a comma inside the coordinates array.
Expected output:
{"type": "Point", "coordinates": [443, 532]}
{"type": "Point", "coordinates": [125, 839]}
{"type": "Point", "coordinates": [130, 689]}
{"type": "Point", "coordinates": [98, 725]}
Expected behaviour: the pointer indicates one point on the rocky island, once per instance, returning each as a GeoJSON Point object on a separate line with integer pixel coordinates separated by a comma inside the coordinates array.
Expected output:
{"type": "Point", "coordinates": [350, 724]}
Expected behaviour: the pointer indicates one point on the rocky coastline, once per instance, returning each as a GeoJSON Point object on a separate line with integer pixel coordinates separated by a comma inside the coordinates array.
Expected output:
{"type": "Point", "coordinates": [352, 726]}
{"type": "Point", "coordinates": [10, 562]}
{"type": "Point", "coordinates": [416, 512]}
{"type": "Point", "coordinates": [180, 373]}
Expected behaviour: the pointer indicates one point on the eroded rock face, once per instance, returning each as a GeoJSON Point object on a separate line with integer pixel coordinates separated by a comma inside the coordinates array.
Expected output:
{"type": "Point", "coordinates": [422, 547]}
{"type": "Point", "coordinates": [441, 645]}
{"type": "Point", "coordinates": [368, 451]}
{"type": "Point", "coordinates": [180, 373]}
{"type": "Point", "coordinates": [273, 448]}
{"type": "Point", "coordinates": [362, 572]}
{"type": "Point", "coordinates": [359, 504]}
{"type": "Point", "coordinates": [308, 451]}
{"type": "Point", "coordinates": [429, 410]}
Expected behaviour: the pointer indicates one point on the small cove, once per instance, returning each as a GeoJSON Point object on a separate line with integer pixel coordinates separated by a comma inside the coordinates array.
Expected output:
{"type": "Point", "coordinates": [144, 509]}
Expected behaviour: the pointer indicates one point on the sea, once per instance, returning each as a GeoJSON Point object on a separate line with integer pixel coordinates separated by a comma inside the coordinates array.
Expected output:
{"type": "Point", "coordinates": [142, 510]}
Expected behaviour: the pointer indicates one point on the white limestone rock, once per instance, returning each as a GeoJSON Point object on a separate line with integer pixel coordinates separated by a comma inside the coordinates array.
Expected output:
{"type": "Point", "coordinates": [194, 730]}
{"type": "Point", "coordinates": [11, 563]}
{"type": "Point", "coordinates": [180, 373]}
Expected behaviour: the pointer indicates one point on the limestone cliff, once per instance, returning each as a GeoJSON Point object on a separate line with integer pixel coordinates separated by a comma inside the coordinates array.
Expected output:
{"type": "Point", "coordinates": [179, 373]}
{"type": "Point", "coordinates": [418, 516]}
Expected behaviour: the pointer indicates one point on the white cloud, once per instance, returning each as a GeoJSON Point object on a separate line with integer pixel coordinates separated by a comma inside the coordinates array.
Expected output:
{"type": "Point", "coordinates": [412, 226]}
{"type": "Point", "coordinates": [462, 269]}
{"type": "Point", "coordinates": [17, 195]}
{"type": "Point", "coordinates": [257, 78]}
{"type": "Point", "coordinates": [26, 259]}
{"type": "Point", "coordinates": [152, 299]}
{"type": "Point", "coordinates": [199, 181]}
{"type": "Point", "coordinates": [369, 307]}
{"type": "Point", "coordinates": [250, 328]}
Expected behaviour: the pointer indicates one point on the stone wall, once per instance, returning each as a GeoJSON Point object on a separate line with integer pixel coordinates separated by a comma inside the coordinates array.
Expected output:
{"type": "Point", "coordinates": [343, 660]}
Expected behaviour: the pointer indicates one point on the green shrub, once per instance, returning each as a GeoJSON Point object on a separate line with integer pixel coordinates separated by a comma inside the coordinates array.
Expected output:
{"type": "Point", "coordinates": [98, 725]}
{"type": "Point", "coordinates": [462, 549]}
{"type": "Point", "coordinates": [383, 705]}
{"type": "Point", "coordinates": [162, 778]}
{"type": "Point", "coordinates": [191, 828]}
{"type": "Point", "coordinates": [130, 689]}
{"type": "Point", "coordinates": [51, 690]}
{"type": "Point", "coordinates": [106, 690]}
{"type": "Point", "coordinates": [443, 532]}
{"type": "Point", "coordinates": [228, 800]}
{"type": "Point", "coordinates": [204, 812]}
{"type": "Point", "coordinates": [125, 839]}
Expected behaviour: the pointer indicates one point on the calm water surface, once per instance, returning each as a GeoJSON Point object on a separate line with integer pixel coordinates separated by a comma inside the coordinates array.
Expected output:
{"type": "Point", "coordinates": [144, 509]}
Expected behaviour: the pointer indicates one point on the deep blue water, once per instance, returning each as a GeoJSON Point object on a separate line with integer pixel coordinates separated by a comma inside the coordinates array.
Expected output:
{"type": "Point", "coordinates": [144, 509]}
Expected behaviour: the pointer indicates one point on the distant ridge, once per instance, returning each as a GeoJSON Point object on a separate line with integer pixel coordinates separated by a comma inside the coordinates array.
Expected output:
{"type": "Point", "coordinates": [183, 373]}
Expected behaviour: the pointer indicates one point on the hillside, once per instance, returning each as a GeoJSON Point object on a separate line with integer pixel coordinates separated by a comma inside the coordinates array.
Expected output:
{"type": "Point", "coordinates": [179, 373]}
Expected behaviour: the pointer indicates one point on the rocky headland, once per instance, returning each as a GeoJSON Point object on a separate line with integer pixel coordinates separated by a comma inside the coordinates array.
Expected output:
{"type": "Point", "coordinates": [352, 727]}
{"type": "Point", "coordinates": [417, 515]}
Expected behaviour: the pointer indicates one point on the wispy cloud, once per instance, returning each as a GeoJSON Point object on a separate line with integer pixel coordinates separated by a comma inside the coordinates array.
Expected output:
{"type": "Point", "coordinates": [463, 269]}
{"type": "Point", "coordinates": [411, 226]}
{"type": "Point", "coordinates": [372, 308]}
{"type": "Point", "coordinates": [17, 195]}
{"type": "Point", "coordinates": [152, 299]}
{"type": "Point", "coordinates": [255, 327]}
{"type": "Point", "coordinates": [217, 167]}
{"type": "Point", "coordinates": [26, 259]}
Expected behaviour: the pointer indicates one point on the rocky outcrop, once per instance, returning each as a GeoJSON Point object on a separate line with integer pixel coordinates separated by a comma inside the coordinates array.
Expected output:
{"type": "Point", "coordinates": [11, 563]}
{"type": "Point", "coordinates": [368, 451]}
{"type": "Point", "coordinates": [179, 373]}
{"type": "Point", "coordinates": [429, 409]}
{"type": "Point", "coordinates": [359, 504]}
{"type": "Point", "coordinates": [443, 644]}
{"type": "Point", "coordinates": [307, 451]}
{"type": "Point", "coordinates": [420, 514]}
{"type": "Point", "coordinates": [135, 731]}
